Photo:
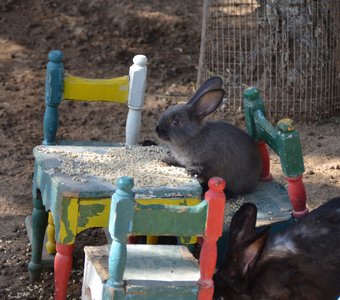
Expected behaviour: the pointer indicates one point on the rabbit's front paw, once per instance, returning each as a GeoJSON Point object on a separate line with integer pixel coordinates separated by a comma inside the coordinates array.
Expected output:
{"type": "Point", "coordinates": [171, 161]}
{"type": "Point", "coordinates": [196, 171]}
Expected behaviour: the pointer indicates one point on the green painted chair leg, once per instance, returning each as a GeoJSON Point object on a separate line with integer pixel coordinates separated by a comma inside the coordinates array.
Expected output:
{"type": "Point", "coordinates": [39, 223]}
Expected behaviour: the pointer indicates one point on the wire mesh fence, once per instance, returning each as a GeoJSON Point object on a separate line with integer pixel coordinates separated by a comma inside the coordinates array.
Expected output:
{"type": "Point", "coordinates": [289, 49]}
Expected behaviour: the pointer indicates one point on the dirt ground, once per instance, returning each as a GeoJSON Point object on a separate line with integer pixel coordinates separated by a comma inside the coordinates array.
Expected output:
{"type": "Point", "coordinates": [99, 39]}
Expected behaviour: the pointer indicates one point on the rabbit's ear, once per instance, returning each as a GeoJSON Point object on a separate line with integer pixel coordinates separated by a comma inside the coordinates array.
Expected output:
{"type": "Point", "coordinates": [251, 251]}
{"type": "Point", "coordinates": [211, 84]}
{"type": "Point", "coordinates": [207, 103]}
{"type": "Point", "coordinates": [245, 243]}
{"type": "Point", "coordinates": [242, 225]}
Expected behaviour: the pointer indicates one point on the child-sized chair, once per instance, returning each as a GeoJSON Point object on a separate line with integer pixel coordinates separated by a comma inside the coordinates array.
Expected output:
{"type": "Point", "coordinates": [284, 140]}
{"type": "Point", "coordinates": [122, 271]}
{"type": "Point", "coordinates": [277, 205]}
{"type": "Point", "coordinates": [126, 89]}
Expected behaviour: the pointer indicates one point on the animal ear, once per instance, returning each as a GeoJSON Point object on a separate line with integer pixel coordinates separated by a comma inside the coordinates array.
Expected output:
{"type": "Point", "coordinates": [252, 250]}
{"type": "Point", "coordinates": [211, 84]}
{"type": "Point", "coordinates": [207, 103]}
{"type": "Point", "coordinates": [242, 225]}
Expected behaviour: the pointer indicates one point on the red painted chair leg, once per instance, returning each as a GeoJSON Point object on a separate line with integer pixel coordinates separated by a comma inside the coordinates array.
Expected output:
{"type": "Point", "coordinates": [133, 239]}
{"type": "Point", "coordinates": [208, 256]}
{"type": "Point", "coordinates": [265, 175]}
{"type": "Point", "coordinates": [62, 270]}
{"type": "Point", "coordinates": [297, 196]}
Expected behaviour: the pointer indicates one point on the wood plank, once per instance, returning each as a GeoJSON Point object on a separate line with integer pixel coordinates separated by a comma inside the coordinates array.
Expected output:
{"type": "Point", "coordinates": [114, 89]}
{"type": "Point", "coordinates": [150, 265]}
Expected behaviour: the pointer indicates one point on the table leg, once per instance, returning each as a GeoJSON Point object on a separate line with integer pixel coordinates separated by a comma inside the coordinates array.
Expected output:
{"type": "Point", "coordinates": [62, 269]}
{"type": "Point", "coordinates": [50, 244]}
{"type": "Point", "coordinates": [39, 223]}
{"type": "Point", "coordinates": [152, 239]}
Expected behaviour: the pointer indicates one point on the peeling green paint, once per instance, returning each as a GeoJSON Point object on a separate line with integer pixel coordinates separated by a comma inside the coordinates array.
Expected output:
{"type": "Point", "coordinates": [64, 219]}
{"type": "Point", "coordinates": [186, 220]}
{"type": "Point", "coordinates": [88, 211]}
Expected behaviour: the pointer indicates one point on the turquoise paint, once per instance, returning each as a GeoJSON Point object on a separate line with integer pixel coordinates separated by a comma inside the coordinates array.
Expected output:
{"type": "Point", "coordinates": [151, 293]}
{"type": "Point", "coordinates": [165, 219]}
{"type": "Point", "coordinates": [121, 215]}
{"type": "Point", "coordinates": [39, 224]}
{"type": "Point", "coordinates": [169, 220]}
{"type": "Point", "coordinates": [56, 187]}
{"type": "Point", "coordinates": [53, 94]}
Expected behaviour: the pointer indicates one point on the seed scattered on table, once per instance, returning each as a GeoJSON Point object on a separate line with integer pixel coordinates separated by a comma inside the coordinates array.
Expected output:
{"type": "Point", "coordinates": [144, 164]}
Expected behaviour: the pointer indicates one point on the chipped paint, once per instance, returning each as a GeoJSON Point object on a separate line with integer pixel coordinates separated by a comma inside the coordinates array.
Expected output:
{"type": "Point", "coordinates": [93, 213]}
{"type": "Point", "coordinates": [68, 221]}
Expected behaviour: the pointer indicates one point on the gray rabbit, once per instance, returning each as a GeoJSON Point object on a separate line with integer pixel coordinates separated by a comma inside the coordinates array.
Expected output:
{"type": "Point", "coordinates": [301, 262]}
{"type": "Point", "coordinates": [208, 149]}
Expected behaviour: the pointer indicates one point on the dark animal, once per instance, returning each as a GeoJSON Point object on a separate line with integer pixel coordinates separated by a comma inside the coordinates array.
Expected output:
{"type": "Point", "coordinates": [301, 262]}
{"type": "Point", "coordinates": [208, 149]}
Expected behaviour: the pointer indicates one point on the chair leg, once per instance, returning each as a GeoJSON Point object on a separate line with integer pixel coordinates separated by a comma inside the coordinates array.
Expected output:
{"type": "Point", "coordinates": [152, 239]}
{"type": "Point", "coordinates": [208, 258]}
{"type": "Point", "coordinates": [265, 175]}
{"type": "Point", "coordinates": [62, 270]}
{"type": "Point", "coordinates": [297, 196]}
{"type": "Point", "coordinates": [50, 244]}
{"type": "Point", "coordinates": [39, 223]}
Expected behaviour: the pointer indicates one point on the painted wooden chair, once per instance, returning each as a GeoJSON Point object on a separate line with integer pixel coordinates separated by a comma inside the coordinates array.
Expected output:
{"type": "Point", "coordinates": [122, 271]}
{"type": "Point", "coordinates": [126, 89]}
{"type": "Point", "coordinates": [277, 205]}
{"type": "Point", "coordinates": [284, 140]}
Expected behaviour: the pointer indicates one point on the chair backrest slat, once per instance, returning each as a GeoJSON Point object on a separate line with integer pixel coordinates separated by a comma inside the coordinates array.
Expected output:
{"type": "Point", "coordinates": [84, 89]}
{"type": "Point", "coordinates": [129, 90]}
{"type": "Point", "coordinates": [169, 220]}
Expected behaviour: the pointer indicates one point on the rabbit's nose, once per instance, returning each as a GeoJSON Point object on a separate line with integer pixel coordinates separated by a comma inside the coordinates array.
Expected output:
{"type": "Point", "coordinates": [161, 133]}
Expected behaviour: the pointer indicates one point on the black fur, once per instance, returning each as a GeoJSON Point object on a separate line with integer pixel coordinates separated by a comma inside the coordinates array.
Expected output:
{"type": "Point", "coordinates": [302, 262]}
{"type": "Point", "coordinates": [210, 149]}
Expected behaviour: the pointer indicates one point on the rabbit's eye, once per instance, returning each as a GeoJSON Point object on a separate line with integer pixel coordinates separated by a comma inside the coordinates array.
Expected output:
{"type": "Point", "coordinates": [175, 122]}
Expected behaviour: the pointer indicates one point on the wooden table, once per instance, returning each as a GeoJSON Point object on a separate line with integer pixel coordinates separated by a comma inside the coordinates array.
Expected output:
{"type": "Point", "coordinates": [81, 201]}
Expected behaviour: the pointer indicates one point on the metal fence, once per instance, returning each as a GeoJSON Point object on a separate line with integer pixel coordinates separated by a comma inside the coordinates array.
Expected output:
{"type": "Point", "coordinates": [289, 49]}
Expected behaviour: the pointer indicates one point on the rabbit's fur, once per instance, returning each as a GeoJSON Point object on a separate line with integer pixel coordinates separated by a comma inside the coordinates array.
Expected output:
{"type": "Point", "coordinates": [301, 262]}
{"type": "Point", "coordinates": [210, 149]}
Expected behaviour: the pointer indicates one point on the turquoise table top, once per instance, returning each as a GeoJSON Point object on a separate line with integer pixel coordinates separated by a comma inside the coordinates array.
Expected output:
{"type": "Point", "coordinates": [66, 171]}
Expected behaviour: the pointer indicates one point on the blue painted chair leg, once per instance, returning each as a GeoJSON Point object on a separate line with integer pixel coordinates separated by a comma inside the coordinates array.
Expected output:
{"type": "Point", "coordinates": [39, 224]}
{"type": "Point", "coordinates": [51, 121]}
